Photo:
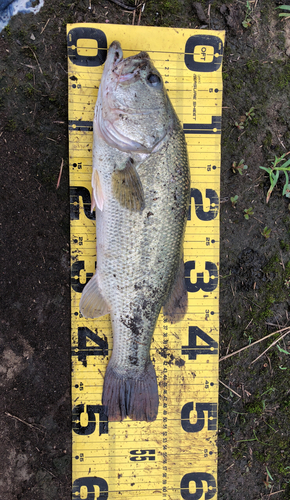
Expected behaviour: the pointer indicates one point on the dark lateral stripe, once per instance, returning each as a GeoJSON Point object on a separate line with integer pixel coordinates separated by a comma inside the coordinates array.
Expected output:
{"type": "Point", "coordinates": [202, 128]}
{"type": "Point", "coordinates": [80, 125]}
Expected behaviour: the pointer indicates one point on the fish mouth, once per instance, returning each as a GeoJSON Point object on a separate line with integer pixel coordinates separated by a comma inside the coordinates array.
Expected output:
{"type": "Point", "coordinates": [128, 68]}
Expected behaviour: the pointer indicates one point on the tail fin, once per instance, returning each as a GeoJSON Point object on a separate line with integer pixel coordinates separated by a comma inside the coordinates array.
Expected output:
{"type": "Point", "coordinates": [132, 397]}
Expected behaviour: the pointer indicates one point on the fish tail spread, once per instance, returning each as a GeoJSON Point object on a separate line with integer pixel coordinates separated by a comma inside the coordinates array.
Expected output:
{"type": "Point", "coordinates": [129, 396]}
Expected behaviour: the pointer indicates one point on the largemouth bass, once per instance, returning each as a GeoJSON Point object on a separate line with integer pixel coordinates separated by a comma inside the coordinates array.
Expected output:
{"type": "Point", "coordinates": [141, 185]}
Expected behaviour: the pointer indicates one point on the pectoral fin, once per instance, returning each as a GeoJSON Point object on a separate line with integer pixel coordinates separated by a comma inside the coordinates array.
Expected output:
{"type": "Point", "coordinates": [92, 303]}
{"type": "Point", "coordinates": [176, 304]}
{"type": "Point", "coordinates": [97, 196]}
{"type": "Point", "coordinates": [127, 187]}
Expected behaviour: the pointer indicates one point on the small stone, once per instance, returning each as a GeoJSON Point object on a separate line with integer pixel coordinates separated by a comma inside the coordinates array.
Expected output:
{"type": "Point", "coordinates": [32, 37]}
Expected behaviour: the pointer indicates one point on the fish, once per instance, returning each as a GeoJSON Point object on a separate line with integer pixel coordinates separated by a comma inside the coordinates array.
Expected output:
{"type": "Point", "coordinates": [141, 191]}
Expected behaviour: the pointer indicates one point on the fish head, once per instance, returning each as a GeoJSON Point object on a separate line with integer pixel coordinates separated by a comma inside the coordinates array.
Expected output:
{"type": "Point", "coordinates": [134, 112]}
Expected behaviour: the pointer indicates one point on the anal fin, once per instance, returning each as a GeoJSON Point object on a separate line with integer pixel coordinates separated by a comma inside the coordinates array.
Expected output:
{"type": "Point", "coordinates": [176, 304]}
{"type": "Point", "coordinates": [92, 303]}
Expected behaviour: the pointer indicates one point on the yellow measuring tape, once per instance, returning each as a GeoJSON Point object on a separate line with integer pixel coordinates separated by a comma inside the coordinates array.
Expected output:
{"type": "Point", "coordinates": [174, 457]}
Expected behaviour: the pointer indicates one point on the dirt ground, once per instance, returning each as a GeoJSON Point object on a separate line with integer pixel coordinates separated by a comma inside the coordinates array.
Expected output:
{"type": "Point", "coordinates": [35, 429]}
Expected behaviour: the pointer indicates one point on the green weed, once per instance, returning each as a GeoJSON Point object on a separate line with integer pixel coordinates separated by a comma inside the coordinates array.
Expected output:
{"type": "Point", "coordinates": [240, 167]}
{"type": "Point", "coordinates": [247, 21]}
{"type": "Point", "coordinates": [245, 120]}
{"type": "Point", "coordinates": [248, 212]}
{"type": "Point", "coordinates": [284, 14]}
{"type": "Point", "coordinates": [234, 200]}
{"type": "Point", "coordinates": [266, 232]}
{"type": "Point", "coordinates": [7, 30]}
{"type": "Point", "coordinates": [274, 173]}
{"type": "Point", "coordinates": [10, 126]}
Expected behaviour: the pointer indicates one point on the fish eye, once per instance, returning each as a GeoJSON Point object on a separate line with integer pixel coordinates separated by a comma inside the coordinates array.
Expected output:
{"type": "Point", "coordinates": [154, 80]}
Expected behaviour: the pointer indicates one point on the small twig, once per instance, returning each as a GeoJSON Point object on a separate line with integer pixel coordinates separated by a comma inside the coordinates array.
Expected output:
{"type": "Point", "coordinates": [273, 343]}
{"type": "Point", "coordinates": [282, 262]}
{"type": "Point", "coordinates": [270, 365]}
{"type": "Point", "coordinates": [248, 324]}
{"type": "Point", "coordinates": [49, 472]}
{"type": "Point", "coordinates": [275, 492]}
{"type": "Point", "coordinates": [221, 396]}
{"type": "Point", "coordinates": [28, 65]}
{"type": "Point", "coordinates": [258, 220]}
{"type": "Point", "coordinates": [271, 489]}
{"type": "Point", "coordinates": [208, 13]}
{"type": "Point", "coordinates": [27, 47]}
{"type": "Point", "coordinates": [253, 343]}
{"type": "Point", "coordinates": [33, 116]}
{"type": "Point", "coordinates": [59, 176]}
{"type": "Point", "coordinates": [134, 14]}
{"type": "Point", "coordinates": [229, 467]}
{"type": "Point", "coordinates": [23, 421]}
{"type": "Point", "coordinates": [230, 389]}
{"type": "Point", "coordinates": [228, 348]}
{"type": "Point", "coordinates": [140, 13]}
{"type": "Point", "coordinates": [50, 139]}
{"type": "Point", "coordinates": [45, 26]}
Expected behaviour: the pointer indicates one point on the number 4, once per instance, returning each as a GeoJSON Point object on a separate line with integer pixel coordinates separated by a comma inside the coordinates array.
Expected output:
{"type": "Point", "coordinates": [192, 349]}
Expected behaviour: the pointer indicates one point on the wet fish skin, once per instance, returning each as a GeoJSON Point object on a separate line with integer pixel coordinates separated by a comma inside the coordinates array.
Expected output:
{"type": "Point", "coordinates": [141, 192]}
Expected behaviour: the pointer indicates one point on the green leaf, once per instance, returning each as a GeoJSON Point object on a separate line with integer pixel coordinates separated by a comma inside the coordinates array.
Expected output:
{"type": "Point", "coordinates": [274, 178]}
{"type": "Point", "coordinates": [268, 169]}
{"type": "Point", "coordinates": [282, 350]}
{"type": "Point", "coordinates": [269, 474]}
{"type": "Point", "coordinates": [286, 184]}
{"type": "Point", "coordinates": [286, 164]}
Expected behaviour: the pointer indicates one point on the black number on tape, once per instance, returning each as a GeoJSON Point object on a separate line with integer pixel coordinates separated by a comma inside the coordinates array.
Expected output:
{"type": "Point", "coordinates": [89, 483]}
{"type": "Point", "coordinates": [141, 455]}
{"type": "Point", "coordinates": [200, 408]}
{"type": "Point", "coordinates": [203, 42]}
{"type": "Point", "coordinates": [198, 204]}
{"type": "Point", "coordinates": [200, 284]}
{"type": "Point", "coordinates": [76, 269]}
{"type": "Point", "coordinates": [75, 53]}
{"type": "Point", "coordinates": [198, 478]}
{"type": "Point", "coordinates": [83, 350]}
{"type": "Point", "coordinates": [77, 192]}
{"type": "Point", "coordinates": [192, 349]}
{"type": "Point", "coordinates": [91, 419]}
